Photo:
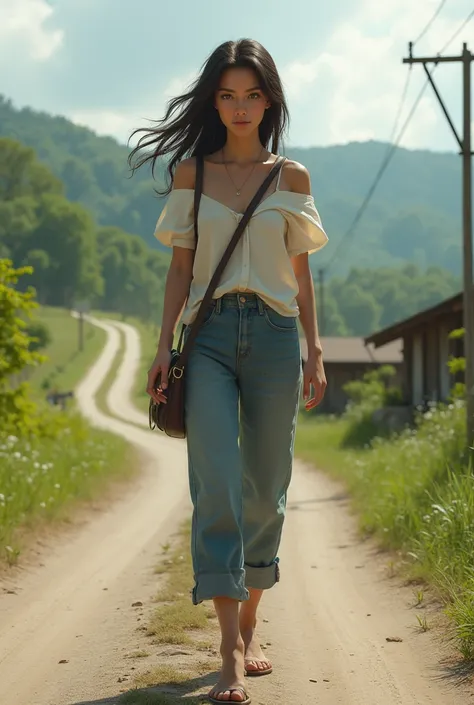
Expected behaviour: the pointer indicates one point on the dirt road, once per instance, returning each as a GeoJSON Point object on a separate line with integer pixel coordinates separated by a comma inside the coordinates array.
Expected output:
{"type": "Point", "coordinates": [326, 623]}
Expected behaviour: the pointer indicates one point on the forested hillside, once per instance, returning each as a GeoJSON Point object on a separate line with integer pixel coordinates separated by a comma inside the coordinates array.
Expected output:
{"type": "Point", "coordinates": [73, 258]}
{"type": "Point", "coordinates": [414, 216]}
{"type": "Point", "coordinates": [72, 212]}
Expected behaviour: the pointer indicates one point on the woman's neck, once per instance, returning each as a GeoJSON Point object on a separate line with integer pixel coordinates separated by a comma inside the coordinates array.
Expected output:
{"type": "Point", "coordinates": [243, 150]}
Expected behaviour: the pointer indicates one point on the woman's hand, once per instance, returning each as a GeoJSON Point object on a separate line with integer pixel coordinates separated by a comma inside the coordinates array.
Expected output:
{"type": "Point", "coordinates": [314, 379]}
{"type": "Point", "coordinates": [160, 366]}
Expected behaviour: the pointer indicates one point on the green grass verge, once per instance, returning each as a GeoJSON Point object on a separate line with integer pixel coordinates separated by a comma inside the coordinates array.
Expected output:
{"type": "Point", "coordinates": [65, 365]}
{"type": "Point", "coordinates": [149, 334]}
{"type": "Point", "coordinates": [101, 395]}
{"type": "Point", "coordinates": [176, 621]}
{"type": "Point", "coordinates": [414, 493]}
{"type": "Point", "coordinates": [149, 340]}
{"type": "Point", "coordinates": [44, 479]}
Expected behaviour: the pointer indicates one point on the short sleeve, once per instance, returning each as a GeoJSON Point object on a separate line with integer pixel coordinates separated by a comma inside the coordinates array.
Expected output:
{"type": "Point", "coordinates": [305, 232]}
{"type": "Point", "coordinates": [175, 226]}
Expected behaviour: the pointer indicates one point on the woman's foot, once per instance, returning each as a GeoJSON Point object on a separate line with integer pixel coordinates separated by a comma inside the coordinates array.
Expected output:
{"type": "Point", "coordinates": [256, 663]}
{"type": "Point", "coordinates": [230, 687]}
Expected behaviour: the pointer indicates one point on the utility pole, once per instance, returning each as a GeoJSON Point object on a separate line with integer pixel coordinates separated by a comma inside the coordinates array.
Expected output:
{"type": "Point", "coordinates": [322, 312]}
{"type": "Point", "coordinates": [465, 150]}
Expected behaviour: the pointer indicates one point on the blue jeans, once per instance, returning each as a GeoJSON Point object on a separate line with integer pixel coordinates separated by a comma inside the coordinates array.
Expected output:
{"type": "Point", "coordinates": [243, 381]}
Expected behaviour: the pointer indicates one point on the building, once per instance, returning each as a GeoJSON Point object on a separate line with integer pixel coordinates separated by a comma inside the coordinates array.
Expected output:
{"type": "Point", "coordinates": [347, 359]}
{"type": "Point", "coordinates": [426, 350]}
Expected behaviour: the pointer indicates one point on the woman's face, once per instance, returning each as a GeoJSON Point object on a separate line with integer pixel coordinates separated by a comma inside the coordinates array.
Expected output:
{"type": "Point", "coordinates": [240, 101]}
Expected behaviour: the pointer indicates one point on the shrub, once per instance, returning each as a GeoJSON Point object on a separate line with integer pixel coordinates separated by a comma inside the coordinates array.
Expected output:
{"type": "Point", "coordinates": [366, 396]}
{"type": "Point", "coordinates": [17, 411]}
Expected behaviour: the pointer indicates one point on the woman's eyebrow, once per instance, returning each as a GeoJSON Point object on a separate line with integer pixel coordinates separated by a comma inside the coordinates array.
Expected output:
{"type": "Point", "coordinates": [248, 90]}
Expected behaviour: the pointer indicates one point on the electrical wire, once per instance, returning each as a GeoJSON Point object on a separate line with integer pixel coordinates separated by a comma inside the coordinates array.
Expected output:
{"type": "Point", "coordinates": [457, 32]}
{"type": "Point", "coordinates": [430, 22]}
{"type": "Point", "coordinates": [349, 234]}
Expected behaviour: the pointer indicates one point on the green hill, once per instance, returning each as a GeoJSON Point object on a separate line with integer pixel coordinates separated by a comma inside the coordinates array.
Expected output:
{"type": "Point", "coordinates": [414, 215]}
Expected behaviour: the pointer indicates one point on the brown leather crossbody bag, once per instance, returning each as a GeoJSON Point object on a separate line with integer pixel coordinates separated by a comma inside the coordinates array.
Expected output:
{"type": "Point", "coordinates": [169, 417]}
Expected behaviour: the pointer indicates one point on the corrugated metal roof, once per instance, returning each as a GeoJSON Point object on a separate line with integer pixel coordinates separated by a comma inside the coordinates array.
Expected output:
{"type": "Point", "coordinates": [347, 350]}
{"type": "Point", "coordinates": [397, 330]}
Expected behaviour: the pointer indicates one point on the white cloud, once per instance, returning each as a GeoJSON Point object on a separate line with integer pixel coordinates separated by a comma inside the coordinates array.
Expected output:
{"type": "Point", "coordinates": [105, 122]}
{"type": "Point", "coordinates": [178, 85]}
{"type": "Point", "coordinates": [351, 89]}
{"type": "Point", "coordinates": [23, 31]}
{"type": "Point", "coordinates": [343, 72]}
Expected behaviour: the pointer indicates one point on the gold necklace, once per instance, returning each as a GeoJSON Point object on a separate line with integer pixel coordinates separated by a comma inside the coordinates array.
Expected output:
{"type": "Point", "coordinates": [238, 190]}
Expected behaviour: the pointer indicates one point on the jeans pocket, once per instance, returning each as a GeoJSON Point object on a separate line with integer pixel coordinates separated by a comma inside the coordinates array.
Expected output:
{"type": "Point", "coordinates": [285, 324]}
{"type": "Point", "coordinates": [208, 318]}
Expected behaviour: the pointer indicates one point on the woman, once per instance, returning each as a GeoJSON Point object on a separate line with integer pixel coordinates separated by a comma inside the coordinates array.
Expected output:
{"type": "Point", "coordinates": [244, 374]}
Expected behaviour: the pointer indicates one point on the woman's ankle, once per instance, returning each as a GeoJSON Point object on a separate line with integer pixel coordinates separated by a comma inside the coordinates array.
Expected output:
{"type": "Point", "coordinates": [231, 644]}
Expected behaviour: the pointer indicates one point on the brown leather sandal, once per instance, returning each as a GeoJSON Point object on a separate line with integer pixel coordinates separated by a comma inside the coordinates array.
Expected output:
{"type": "Point", "coordinates": [236, 702]}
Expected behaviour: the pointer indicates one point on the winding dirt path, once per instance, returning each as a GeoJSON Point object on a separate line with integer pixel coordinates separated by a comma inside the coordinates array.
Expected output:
{"type": "Point", "coordinates": [325, 624]}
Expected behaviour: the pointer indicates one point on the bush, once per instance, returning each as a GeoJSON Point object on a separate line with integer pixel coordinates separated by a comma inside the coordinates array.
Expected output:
{"type": "Point", "coordinates": [39, 334]}
{"type": "Point", "coordinates": [17, 411]}
{"type": "Point", "coordinates": [366, 396]}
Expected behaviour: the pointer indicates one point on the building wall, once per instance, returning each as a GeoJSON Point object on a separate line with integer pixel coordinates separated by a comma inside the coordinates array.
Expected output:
{"type": "Point", "coordinates": [427, 352]}
{"type": "Point", "coordinates": [417, 363]}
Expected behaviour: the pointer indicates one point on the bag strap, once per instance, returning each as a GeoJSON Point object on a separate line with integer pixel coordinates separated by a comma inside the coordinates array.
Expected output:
{"type": "Point", "coordinates": [207, 298]}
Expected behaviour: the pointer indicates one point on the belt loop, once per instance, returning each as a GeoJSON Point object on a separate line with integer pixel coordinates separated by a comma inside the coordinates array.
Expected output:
{"type": "Point", "coordinates": [218, 305]}
{"type": "Point", "coordinates": [260, 306]}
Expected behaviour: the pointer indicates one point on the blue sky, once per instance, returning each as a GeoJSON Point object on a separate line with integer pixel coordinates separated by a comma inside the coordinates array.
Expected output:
{"type": "Point", "coordinates": [112, 64]}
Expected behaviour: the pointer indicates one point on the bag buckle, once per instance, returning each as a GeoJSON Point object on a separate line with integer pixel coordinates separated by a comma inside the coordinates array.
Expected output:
{"type": "Point", "coordinates": [177, 372]}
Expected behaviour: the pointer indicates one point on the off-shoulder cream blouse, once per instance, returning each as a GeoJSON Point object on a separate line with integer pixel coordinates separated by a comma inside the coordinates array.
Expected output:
{"type": "Point", "coordinates": [284, 225]}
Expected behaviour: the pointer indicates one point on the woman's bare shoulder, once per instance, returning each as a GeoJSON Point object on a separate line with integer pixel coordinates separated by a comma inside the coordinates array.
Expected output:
{"type": "Point", "coordinates": [297, 177]}
{"type": "Point", "coordinates": [185, 174]}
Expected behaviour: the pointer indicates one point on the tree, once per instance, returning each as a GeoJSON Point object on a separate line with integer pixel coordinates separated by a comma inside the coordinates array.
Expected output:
{"type": "Point", "coordinates": [66, 233]}
{"type": "Point", "coordinates": [79, 178]}
{"type": "Point", "coordinates": [21, 174]}
{"type": "Point", "coordinates": [359, 309]}
{"type": "Point", "coordinates": [17, 224]}
{"type": "Point", "coordinates": [16, 353]}
{"type": "Point", "coordinates": [40, 262]}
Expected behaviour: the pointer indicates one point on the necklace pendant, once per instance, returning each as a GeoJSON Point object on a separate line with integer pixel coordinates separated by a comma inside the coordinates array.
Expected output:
{"type": "Point", "coordinates": [238, 193]}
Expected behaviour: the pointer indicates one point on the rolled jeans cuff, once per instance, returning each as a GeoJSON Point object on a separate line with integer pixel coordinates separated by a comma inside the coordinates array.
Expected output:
{"type": "Point", "coordinates": [262, 577]}
{"type": "Point", "coordinates": [210, 585]}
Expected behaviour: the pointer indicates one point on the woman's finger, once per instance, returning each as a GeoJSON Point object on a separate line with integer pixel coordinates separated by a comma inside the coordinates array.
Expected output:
{"type": "Point", "coordinates": [321, 388]}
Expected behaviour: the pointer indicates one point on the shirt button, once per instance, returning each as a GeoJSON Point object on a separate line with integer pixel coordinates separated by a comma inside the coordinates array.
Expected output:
{"type": "Point", "coordinates": [243, 299]}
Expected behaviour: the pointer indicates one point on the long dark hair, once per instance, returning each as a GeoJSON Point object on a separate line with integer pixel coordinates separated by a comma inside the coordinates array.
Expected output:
{"type": "Point", "coordinates": [192, 125]}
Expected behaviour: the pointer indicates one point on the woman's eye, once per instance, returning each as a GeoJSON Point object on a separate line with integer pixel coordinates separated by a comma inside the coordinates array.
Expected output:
{"type": "Point", "coordinates": [225, 96]}
{"type": "Point", "coordinates": [254, 96]}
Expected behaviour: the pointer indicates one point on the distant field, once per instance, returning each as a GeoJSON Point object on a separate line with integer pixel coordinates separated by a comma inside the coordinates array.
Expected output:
{"type": "Point", "coordinates": [65, 365]}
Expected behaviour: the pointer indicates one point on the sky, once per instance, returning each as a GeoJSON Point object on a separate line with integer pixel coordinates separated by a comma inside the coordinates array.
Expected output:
{"type": "Point", "coordinates": [113, 64]}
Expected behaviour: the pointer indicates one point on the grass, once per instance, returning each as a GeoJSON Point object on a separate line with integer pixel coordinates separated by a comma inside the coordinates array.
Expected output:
{"type": "Point", "coordinates": [149, 334]}
{"type": "Point", "coordinates": [65, 366]}
{"type": "Point", "coordinates": [42, 479]}
{"type": "Point", "coordinates": [101, 395]}
{"type": "Point", "coordinates": [415, 494]}
{"type": "Point", "coordinates": [176, 621]}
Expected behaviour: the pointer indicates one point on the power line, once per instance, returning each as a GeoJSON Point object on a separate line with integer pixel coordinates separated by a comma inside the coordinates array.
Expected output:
{"type": "Point", "coordinates": [458, 31]}
{"type": "Point", "coordinates": [430, 22]}
{"type": "Point", "coordinates": [400, 107]}
{"type": "Point", "coordinates": [392, 149]}
{"type": "Point", "coordinates": [386, 161]}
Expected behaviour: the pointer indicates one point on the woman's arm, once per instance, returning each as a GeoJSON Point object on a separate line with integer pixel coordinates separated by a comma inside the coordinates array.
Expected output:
{"type": "Point", "coordinates": [178, 282]}
{"type": "Point", "coordinates": [297, 178]}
